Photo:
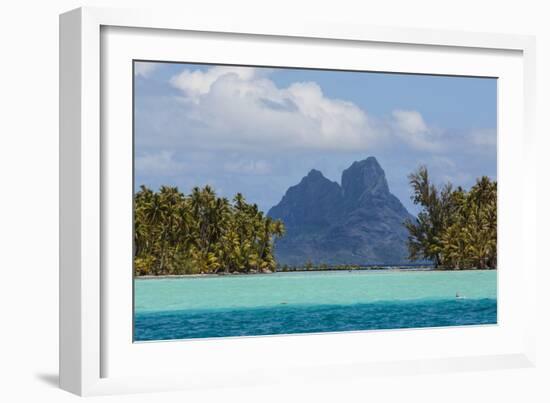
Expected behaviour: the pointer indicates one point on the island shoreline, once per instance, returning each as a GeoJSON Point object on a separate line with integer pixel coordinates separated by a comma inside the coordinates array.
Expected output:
{"type": "Point", "coordinates": [392, 269]}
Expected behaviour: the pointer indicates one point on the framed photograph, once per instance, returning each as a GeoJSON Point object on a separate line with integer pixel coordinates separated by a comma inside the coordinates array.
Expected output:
{"type": "Point", "coordinates": [244, 203]}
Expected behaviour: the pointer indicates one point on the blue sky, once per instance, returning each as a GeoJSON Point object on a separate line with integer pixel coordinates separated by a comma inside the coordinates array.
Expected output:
{"type": "Point", "coordinates": [258, 131]}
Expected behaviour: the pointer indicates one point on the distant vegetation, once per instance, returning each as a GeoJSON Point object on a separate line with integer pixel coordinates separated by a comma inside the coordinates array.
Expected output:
{"type": "Point", "coordinates": [200, 233]}
{"type": "Point", "coordinates": [309, 266]}
{"type": "Point", "coordinates": [456, 229]}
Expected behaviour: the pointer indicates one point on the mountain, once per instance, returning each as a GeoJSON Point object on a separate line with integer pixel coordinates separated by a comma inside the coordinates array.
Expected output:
{"type": "Point", "coordinates": [357, 222]}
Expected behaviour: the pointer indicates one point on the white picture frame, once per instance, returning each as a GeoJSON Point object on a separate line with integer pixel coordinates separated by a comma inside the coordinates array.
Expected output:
{"type": "Point", "coordinates": [96, 354]}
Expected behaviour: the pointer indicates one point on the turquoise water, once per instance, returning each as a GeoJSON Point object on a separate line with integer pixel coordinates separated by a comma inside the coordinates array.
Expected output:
{"type": "Point", "coordinates": [280, 303]}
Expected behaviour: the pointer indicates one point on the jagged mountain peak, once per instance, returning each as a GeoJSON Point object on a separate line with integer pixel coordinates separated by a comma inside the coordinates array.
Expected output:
{"type": "Point", "coordinates": [315, 175]}
{"type": "Point", "coordinates": [363, 179]}
{"type": "Point", "coordinates": [360, 222]}
{"type": "Point", "coordinates": [310, 202]}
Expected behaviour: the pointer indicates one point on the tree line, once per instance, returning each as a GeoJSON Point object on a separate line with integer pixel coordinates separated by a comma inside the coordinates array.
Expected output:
{"type": "Point", "coordinates": [455, 229]}
{"type": "Point", "coordinates": [204, 233]}
{"type": "Point", "coordinates": [200, 233]}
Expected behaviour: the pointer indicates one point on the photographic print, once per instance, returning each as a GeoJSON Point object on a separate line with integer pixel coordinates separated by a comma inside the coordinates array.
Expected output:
{"type": "Point", "coordinates": [276, 200]}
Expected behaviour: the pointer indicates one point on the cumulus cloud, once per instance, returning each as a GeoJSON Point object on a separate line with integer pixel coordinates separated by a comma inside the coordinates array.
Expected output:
{"type": "Point", "coordinates": [241, 108]}
{"type": "Point", "coordinates": [411, 122]}
{"type": "Point", "coordinates": [197, 83]}
{"type": "Point", "coordinates": [242, 103]}
{"type": "Point", "coordinates": [144, 69]}
{"type": "Point", "coordinates": [158, 163]}
{"type": "Point", "coordinates": [411, 128]}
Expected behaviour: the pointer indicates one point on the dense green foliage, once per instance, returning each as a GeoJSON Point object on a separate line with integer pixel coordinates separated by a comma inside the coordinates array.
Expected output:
{"type": "Point", "coordinates": [200, 233]}
{"type": "Point", "coordinates": [456, 228]}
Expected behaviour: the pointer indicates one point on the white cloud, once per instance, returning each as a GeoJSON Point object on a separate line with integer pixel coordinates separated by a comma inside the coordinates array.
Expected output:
{"type": "Point", "coordinates": [241, 103]}
{"type": "Point", "coordinates": [410, 127]}
{"type": "Point", "coordinates": [241, 108]}
{"type": "Point", "coordinates": [196, 83]}
{"type": "Point", "coordinates": [484, 137]}
{"type": "Point", "coordinates": [144, 69]}
{"type": "Point", "coordinates": [260, 167]}
{"type": "Point", "coordinates": [410, 122]}
{"type": "Point", "coordinates": [161, 162]}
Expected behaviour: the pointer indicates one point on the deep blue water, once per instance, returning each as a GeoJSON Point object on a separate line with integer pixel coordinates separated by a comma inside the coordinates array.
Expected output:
{"type": "Point", "coordinates": [287, 319]}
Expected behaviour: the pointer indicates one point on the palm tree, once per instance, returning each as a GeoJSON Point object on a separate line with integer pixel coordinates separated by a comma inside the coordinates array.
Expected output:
{"type": "Point", "coordinates": [455, 229]}
{"type": "Point", "coordinates": [201, 232]}
{"type": "Point", "coordinates": [424, 241]}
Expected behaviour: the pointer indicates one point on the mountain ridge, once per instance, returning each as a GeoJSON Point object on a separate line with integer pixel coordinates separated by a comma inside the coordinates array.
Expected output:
{"type": "Point", "coordinates": [356, 222]}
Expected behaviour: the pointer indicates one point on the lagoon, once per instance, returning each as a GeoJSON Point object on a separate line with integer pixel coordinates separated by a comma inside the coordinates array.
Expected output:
{"type": "Point", "coordinates": [304, 302]}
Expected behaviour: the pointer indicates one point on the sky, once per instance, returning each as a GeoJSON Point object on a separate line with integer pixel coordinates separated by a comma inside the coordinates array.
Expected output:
{"type": "Point", "coordinates": [259, 130]}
